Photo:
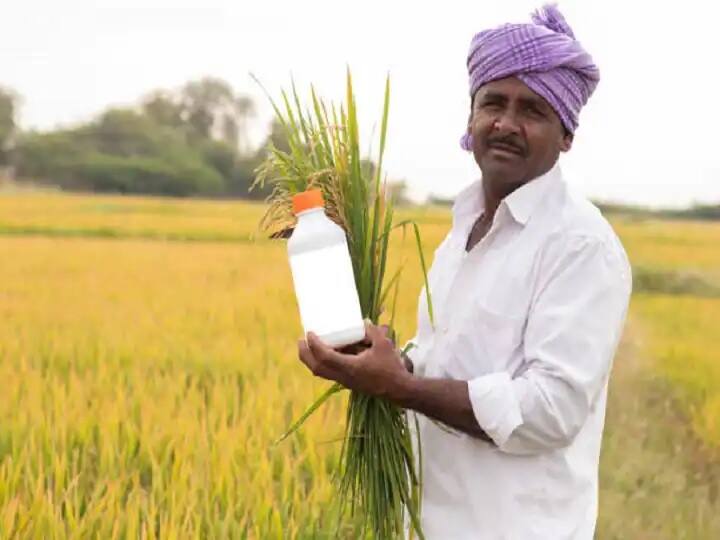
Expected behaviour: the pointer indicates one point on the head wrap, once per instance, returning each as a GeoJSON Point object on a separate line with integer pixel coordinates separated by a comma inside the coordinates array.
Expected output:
{"type": "Point", "coordinates": [544, 55]}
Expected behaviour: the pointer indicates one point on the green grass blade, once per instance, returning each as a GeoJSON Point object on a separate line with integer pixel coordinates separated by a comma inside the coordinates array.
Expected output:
{"type": "Point", "coordinates": [334, 389]}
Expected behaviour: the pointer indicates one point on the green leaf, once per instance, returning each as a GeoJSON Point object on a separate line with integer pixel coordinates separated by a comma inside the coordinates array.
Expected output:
{"type": "Point", "coordinates": [334, 389]}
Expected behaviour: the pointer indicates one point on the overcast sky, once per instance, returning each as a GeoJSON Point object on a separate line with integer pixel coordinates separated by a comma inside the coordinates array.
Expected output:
{"type": "Point", "coordinates": [648, 135]}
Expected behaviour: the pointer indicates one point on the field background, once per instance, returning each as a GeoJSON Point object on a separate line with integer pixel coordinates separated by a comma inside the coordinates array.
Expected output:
{"type": "Point", "coordinates": [147, 360]}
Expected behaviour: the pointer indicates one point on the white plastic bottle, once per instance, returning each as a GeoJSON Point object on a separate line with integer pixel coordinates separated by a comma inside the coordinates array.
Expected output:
{"type": "Point", "coordinates": [323, 274]}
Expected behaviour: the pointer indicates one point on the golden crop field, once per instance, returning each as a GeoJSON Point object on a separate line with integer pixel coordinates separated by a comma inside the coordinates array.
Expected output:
{"type": "Point", "coordinates": [681, 331]}
{"type": "Point", "coordinates": [148, 362]}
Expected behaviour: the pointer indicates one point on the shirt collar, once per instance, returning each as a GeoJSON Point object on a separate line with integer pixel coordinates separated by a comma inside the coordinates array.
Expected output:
{"type": "Point", "coordinates": [470, 202]}
{"type": "Point", "coordinates": [523, 201]}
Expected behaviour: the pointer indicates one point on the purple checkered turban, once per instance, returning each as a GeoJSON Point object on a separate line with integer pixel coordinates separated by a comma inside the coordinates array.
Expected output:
{"type": "Point", "coordinates": [544, 55]}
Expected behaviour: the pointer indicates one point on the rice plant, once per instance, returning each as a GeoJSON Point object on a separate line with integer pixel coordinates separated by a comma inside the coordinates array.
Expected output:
{"type": "Point", "coordinates": [378, 473]}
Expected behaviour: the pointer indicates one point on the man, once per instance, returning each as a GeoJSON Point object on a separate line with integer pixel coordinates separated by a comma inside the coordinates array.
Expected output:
{"type": "Point", "coordinates": [530, 289]}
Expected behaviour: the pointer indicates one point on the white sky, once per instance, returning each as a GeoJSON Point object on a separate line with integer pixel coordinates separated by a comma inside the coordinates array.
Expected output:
{"type": "Point", "coordinates": [648, 134]}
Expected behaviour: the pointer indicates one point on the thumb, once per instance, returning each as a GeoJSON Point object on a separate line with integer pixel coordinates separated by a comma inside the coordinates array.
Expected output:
{"type": "Point", "coordinates": [373, 333]}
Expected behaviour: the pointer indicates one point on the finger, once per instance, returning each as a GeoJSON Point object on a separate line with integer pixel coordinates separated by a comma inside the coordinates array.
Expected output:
{"type": "Point", "coordinates": [388, 333]}
{"type": "Point", "coordinates": [326, 354]}
{"type": "Point", "coordinates": [374, 333]}
{"type": "Point", "coordinates": [306, 356]}
{"type": "Point", "coordinates": [355, 348]}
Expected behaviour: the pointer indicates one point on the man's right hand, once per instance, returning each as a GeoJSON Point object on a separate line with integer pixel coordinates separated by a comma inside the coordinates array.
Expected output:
{"type": "Point", "coordinates": [360, 346]}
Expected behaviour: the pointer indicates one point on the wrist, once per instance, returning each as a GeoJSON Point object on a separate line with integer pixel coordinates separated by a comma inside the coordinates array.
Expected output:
{"type": "Point", "coordinates": [404, 389]}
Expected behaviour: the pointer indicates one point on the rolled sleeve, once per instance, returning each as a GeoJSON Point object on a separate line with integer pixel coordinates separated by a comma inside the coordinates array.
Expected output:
{"type": "Point", "coordinates": [495, 406]}
{"type": "Point", "coordinates": [572, 332]}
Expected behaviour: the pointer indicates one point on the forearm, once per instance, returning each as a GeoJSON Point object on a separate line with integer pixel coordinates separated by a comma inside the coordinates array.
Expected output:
{"type": "Point", "coordinates": [379, 371]}
{"type": "Point", "coordinates": [444, 400]}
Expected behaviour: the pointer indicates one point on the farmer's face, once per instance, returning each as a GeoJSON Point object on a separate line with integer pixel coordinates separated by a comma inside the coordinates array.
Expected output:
{"type": "Point", "coordinates": [517, 135]}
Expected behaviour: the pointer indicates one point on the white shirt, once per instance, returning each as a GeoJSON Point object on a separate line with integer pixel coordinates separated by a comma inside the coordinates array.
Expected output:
{"type": "Point", "coordinates": [531, 318]}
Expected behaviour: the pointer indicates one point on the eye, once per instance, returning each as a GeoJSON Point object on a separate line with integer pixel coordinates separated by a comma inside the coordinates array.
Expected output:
{"type": "Point", "coordinates": [535, 111]}
{"type": "Point", "coordinates": [490, 106]}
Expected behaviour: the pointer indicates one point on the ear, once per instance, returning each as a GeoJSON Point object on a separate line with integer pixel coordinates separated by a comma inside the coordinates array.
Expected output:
{"type": "Point", "coordinates": [566, 142]}
{"type": "Point", "coordinates": [470, 113]}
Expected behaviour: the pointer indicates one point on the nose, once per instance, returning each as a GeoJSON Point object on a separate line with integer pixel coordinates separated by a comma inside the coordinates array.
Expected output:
{"type": "Point", "coordinates": [506, 123]}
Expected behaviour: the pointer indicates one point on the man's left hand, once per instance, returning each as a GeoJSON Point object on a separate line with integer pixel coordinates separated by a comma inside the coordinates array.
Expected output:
{"type": "Point", "coordinates": [377, 371]}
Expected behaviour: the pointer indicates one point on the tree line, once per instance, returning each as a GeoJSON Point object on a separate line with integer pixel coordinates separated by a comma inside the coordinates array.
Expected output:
{"type": "Point", "coordinates": [190, 141]}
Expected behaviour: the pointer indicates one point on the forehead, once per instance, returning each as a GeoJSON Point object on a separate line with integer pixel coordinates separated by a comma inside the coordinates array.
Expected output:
{"type": "Point", "coordinates": [510, 88]}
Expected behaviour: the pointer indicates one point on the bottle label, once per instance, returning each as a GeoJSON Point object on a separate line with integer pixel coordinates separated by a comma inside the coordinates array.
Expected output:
{"type": "Point", "coordinates": [325, 290]}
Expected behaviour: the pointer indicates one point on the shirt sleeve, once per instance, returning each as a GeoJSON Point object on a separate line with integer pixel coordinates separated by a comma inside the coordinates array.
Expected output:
{"type": "Point", "coordinates": [572, 332]}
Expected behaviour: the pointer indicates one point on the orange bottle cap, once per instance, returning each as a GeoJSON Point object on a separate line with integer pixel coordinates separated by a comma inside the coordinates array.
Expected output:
{"type": "Point", "coordinates": [305, 200]}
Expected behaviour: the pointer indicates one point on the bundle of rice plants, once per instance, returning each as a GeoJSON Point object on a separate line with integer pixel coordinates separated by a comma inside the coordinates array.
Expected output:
{"type": "Point", "coordinates": [378, 473]}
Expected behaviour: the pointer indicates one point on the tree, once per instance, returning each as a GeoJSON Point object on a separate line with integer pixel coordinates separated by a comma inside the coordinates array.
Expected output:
{"type": "Point", "coordinates": [212, 110]}
{"type": "Point", "coordinates": [162, 107]}
{"type": "Point", "coordinates": [124, 132]}
{"type": "Point", "coordinates": [124, 151]}
{"type": "Point", "coordinates": [277, 137]}
{"type": "Point", "coordinates": [243, 180]}
{"type": "Point", "coordinates": [188, 141]}
{"type": "Point", "coordinates": [397, 192]}
{"type": "Point", "coordinates": [8, 126]}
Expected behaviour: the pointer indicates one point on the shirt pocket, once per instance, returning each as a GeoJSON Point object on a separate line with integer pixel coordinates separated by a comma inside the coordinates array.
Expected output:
{"type": "Point", "coordinates": [483, 341]}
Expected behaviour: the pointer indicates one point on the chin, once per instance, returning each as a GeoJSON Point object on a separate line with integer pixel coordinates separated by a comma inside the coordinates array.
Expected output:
{"type": "Point", "coordinates": [507, 173]}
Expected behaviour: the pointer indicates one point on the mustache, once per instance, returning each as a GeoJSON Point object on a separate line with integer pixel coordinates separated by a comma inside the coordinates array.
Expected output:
{"type": "Point", "coordinates": [510, 141]}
